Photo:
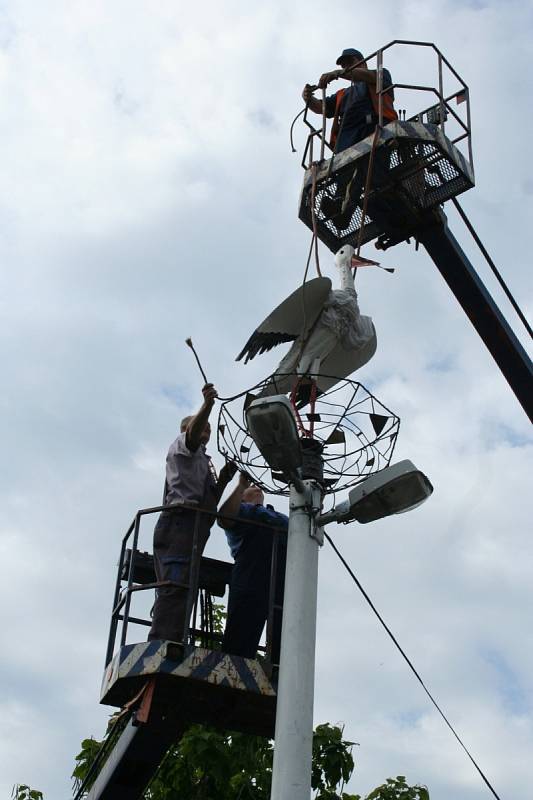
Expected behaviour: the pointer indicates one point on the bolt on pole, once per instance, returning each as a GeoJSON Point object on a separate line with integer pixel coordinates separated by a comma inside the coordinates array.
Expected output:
{"type": "Point", "coordinates": [291, 772]}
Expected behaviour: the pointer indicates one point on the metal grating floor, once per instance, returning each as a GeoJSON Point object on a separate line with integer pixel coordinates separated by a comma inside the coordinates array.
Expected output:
{"type": "Point", "coordinates": [416, 168]}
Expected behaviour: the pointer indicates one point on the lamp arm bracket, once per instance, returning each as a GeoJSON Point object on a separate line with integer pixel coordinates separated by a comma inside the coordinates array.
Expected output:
{"type": "Point", "coordinates": [337, 514]}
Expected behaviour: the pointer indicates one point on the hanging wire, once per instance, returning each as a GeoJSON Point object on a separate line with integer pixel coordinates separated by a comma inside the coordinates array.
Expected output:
{"type": "Point", "coordinates": [411, 666]}
{"type": "Point", "coordinates": [314, 239]}
{"type": "Point", "coordinates": [304, 279]}
{"type": "Point", "coordinates": [313, 219]}
{"type": "Point", "coordinates": [492, 265]}
{"type": "Point", "coordinates": [368, 183]}
{"type": "Point", "coordinates": [296, 118]}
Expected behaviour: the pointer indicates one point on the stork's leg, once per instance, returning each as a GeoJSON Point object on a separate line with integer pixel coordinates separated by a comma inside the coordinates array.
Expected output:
{"type": "Point", "coordinates": [314, 372]}
{"type": "Point", "coordinates": [312, 408]}
{"type": "Point", "coordinates": [293, 399]}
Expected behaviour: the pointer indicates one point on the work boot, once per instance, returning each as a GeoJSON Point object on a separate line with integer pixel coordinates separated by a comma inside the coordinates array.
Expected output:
{"type": "Point", "coordinates": [331, 206]}
{"type": "Point", "coordinates": [343, 218]}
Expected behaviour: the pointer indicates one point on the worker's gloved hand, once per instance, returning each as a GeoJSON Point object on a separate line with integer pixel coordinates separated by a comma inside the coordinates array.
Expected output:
{"type": "Point", "coordinates": [307, 93]}
{"type": "Point", "coordinates": [227, 472]}
{"type": "Point", "coordinates": [210, 393]}
{"type": "Point", "coordinates": [327, 77]}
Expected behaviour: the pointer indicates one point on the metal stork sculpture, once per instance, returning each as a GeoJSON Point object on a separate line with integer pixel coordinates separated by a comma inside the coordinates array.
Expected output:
{"type": "Point", "coordinates": [331, 338]}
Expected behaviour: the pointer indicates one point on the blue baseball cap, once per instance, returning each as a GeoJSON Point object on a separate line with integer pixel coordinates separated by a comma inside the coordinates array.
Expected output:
{"type": "Point", "coordinates": [350, 52]}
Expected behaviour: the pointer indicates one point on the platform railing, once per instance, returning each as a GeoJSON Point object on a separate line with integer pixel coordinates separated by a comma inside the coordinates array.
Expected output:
{"type": "Point", "coordinates": [436, 114]}
{"type": "Point", "coordinates": [130, 559]}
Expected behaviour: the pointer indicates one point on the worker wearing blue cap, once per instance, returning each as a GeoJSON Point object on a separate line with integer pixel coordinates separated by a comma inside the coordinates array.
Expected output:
{"type": "Point", "coordinates": [354, 109]}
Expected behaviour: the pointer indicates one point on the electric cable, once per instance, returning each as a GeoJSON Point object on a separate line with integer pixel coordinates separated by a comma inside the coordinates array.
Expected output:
{"type": "Point", "coordinates": [411, 665]}
{"type": "Point", "coordinates": [368, 182]}
{"type": "Point", "coordinates": [298, 115]}
{"type": "Point", "coordinates": [492, 265]}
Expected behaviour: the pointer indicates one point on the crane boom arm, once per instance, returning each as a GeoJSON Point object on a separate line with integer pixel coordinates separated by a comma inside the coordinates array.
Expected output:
{"type": "Point", "coordinates": [480, 307]}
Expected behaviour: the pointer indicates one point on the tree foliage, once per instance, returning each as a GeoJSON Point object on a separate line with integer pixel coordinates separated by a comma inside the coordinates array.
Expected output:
{"type": "Point", "coordinates": [397, 789]}
{"type": "Point", "coordinates": [333, 762]}
{"type": "Point", "coordinates": [207, 763]}
{"type": "Point", "coordinates": [23, 792]}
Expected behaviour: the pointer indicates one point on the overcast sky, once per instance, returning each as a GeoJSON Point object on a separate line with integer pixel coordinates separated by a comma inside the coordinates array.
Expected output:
{"type": "Point", "coordinates": [148, 193]}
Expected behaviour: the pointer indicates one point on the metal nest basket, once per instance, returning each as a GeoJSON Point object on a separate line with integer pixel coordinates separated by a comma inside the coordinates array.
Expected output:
{"type": "Point", "coordinates": [357, 431]}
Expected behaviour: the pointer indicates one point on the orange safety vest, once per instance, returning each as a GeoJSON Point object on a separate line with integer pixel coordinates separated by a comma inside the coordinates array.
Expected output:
{"type": "Point", "coordinates": [389, 114]}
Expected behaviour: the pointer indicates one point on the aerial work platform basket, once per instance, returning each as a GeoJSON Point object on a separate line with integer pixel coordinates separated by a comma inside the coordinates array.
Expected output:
{"type": "Point", "coordinates": [188, 680]}
{"type": "Point", "coordinates": [191, 680]}
{"type": "Point", "coordinates": [162, 687]}
{"type": "Point", "coordinates": [415, 164]}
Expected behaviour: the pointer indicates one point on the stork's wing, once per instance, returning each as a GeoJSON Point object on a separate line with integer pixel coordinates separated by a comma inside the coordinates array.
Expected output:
{"type": "Point", "coordinates": [341, 363]}
{"type": "Point", "coordinates": [289, 319]}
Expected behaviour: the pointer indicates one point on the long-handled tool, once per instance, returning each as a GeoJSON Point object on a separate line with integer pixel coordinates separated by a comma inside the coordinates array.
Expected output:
{"type": "Point", "coordinates": [190, 344]}
{"type": "Point", "coordinates": [228, 461]}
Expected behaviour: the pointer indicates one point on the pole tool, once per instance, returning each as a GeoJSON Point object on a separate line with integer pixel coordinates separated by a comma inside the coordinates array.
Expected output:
{"type": "Point", "coordinates": [190, 344]}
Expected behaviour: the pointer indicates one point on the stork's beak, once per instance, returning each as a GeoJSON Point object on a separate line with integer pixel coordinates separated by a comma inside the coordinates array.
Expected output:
{"type": "Point", "coordinates": [359, 261]}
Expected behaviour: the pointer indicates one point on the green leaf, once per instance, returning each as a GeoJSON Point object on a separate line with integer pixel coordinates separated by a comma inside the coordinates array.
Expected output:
{"type": "Point", "coordinates": [23, 792]}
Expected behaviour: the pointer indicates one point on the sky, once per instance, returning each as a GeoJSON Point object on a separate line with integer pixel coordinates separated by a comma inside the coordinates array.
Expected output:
{"type": "Point", "coordinates": [148, 193]}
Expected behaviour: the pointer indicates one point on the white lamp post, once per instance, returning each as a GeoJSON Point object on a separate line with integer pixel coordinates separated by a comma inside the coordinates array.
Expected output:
{"type": "Point", "coordinates": [272, 425]}
{"type": "Point", "coordinates": [395, 489]}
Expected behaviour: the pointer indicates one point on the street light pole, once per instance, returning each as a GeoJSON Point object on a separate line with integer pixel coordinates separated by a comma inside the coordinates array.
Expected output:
{"type": "Point", "coordinates": [291, 772]}
{"type": "Point", "coordinates": [271, 423]}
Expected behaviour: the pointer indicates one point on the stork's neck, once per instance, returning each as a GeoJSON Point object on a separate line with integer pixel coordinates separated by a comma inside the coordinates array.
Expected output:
{"type": "Point", "coordinates": [346, 276]}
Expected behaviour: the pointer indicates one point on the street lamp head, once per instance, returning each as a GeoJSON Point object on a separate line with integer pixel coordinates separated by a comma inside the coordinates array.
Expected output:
{"type": "Point", "coordinates": [393, 490]}
{"type": "Point", "coordinates": [272, 426]}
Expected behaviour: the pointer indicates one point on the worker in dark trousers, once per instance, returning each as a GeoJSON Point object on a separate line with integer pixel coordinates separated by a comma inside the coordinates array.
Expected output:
{"type": "Point", "coordinates": [189, 478]}
{"type": "Point", "coordinates": [251, 546]}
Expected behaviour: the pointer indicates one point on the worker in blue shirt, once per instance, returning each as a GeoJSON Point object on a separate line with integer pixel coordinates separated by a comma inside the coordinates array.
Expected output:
{"type": "Point", "coordinates": [355, 113]}
{"type": "Point", "coordinates": [354, 109]}
{"type": "Point", "coordinates": [251, 546]}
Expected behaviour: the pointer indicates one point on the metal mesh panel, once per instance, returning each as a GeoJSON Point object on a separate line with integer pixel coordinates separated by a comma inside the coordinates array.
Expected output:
{"type": "Point", "coordinates": [427, 174]}
{"type": "Point", "coordinates": [344, 227]}
{"type": "Point", "coordinates": [410, 176]}
{"type": "Point", "coordinates": [357, 431]}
